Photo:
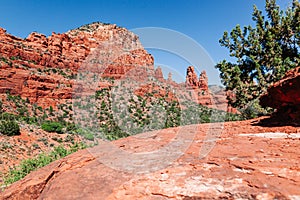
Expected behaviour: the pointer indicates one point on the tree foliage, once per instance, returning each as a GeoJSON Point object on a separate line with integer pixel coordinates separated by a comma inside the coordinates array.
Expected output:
{"type": "Point", "coordinates": [263, 53]}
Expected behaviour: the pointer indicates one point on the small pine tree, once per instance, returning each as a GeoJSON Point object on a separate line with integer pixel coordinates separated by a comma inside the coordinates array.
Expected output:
{"type": "Point", "coordinates": [263, 53]}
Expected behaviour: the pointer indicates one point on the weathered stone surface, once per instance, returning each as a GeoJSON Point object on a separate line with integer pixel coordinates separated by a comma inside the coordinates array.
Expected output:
{"type": "Point", "coordinates": [284, 96]}
{"type": "Point", "coordinates": [247, 162]}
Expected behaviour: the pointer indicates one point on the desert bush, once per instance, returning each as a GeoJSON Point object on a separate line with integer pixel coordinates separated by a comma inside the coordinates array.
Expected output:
{"type": "Point", "coordinates": [9, 128]}
{"type": "Point", "coordinates": [87, 134]}
{"type": "Point", "coordinates": [50, 126]}
{"type": "Point", "coordinates": [7, 116]}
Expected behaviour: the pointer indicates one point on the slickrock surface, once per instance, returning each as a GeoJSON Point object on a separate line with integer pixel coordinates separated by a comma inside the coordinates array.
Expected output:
{"type": "Point", "coordinates": [247, 161]}
{"type": "Point", "coordinates": [284, 96]}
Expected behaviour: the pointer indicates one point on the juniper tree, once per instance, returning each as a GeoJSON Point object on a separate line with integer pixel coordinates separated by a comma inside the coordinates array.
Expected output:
{"type": "Point", "coordinates": [263, 53]}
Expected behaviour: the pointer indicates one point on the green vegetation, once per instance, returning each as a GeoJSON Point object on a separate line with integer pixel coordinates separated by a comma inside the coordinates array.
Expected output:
{"type": "Point", "coordinates": [107, 115]}
{"type": "Point", "coordinates": [263, 54]}
{"type": "Point", "coordinates": [118, 116]}
{"type": "Point", "coordinates": [52, 127]}
{"type": "Point", "coordinates": [42, 160]}
{"type": "Point", "coordinates": [85, 133]}
{"type": "Point", "coordinates": [8, 125]}
{"type": "Point", "coordinates": [9, 128]}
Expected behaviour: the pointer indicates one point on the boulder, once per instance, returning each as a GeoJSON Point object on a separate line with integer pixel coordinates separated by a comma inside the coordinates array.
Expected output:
{"type": "Point", "coordinates": [284, 96]}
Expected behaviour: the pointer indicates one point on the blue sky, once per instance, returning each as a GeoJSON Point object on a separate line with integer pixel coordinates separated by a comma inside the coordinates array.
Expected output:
{"type": "Point", "coordinates": [202, 20]}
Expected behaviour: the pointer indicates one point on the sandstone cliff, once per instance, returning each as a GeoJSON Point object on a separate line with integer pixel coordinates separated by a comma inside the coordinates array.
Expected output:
{"type": "Point", "coordinates": [44, 68]}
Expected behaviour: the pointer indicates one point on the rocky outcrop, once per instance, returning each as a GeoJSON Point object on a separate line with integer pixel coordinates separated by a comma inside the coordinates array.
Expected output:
{"type": "Point", "coordinates": [44, 68]}
{"type": "Point", "coordinates": [192, 82]}
{"type": "Point", "coordinates": [158, 74]}
{"type": "Point", "coordinates": [246, 162]}
{"type": "Point", "coordinates": [199, 88]}
{"type": "Point", "coordinates": [203, 81]}
{"type": "Point", "coordinates": [191, 78]}
{"type": "Point", "coordinates": [284, 96]}
{"type": "Point", "coordinates": [170, 77]}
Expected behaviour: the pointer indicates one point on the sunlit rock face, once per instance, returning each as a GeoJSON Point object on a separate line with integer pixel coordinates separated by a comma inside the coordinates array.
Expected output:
{"type": "Point", "coordinates": [42, 68]}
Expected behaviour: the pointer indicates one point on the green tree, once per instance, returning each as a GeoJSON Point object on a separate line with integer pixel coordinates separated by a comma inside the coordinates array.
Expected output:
{"type": "Point", "coordinates": [262, 54]}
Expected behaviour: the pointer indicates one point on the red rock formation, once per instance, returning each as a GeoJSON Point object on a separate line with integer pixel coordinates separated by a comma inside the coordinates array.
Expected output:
{"type": "Point", "coordinates": [191, 78]}
{"type": "Point", "coordinates": [158, 74]}
{"type": "Point", "coordinates": [203, 81]}
{"type": "Point", "coordinates": [284, 96]}
{"type": "Point", "coordinates": [170, 77]}
{"type": "Point", "coordinates": [193, 82]}
{"type": "Point", "coordinates": [27, 65]}
{"type": "Point", "coordinates": [199, 87]}
{"type": "Point", "coordinates": [242, 165]}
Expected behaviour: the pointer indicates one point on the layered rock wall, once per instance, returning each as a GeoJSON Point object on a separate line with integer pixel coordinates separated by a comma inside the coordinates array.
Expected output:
{"type": "Point", "coordinates": [44, 69]}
